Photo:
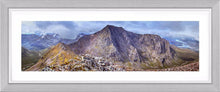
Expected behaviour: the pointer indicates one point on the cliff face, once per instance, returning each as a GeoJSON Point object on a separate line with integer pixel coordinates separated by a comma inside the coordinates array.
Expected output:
{"type": "Point", "coordinates": [121, 45]}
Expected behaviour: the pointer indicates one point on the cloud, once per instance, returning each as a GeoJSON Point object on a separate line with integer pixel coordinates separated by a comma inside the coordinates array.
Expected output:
{"type": "Point", "coordinates": [168, 25]}
{"type": "Point", "coordinates": [58, 29]}
{"type": "Point", "coordinates": [29, 27]}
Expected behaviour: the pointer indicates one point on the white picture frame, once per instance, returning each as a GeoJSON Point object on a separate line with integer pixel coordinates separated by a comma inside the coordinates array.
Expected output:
{"type": "Point", "coordinates": [202, 16]}
{"type": "Point", "coordinates": [116, 4]}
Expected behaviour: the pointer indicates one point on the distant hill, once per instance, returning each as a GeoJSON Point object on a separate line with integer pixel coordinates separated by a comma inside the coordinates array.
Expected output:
{"type": "Point", "coordinates": [43, 41]}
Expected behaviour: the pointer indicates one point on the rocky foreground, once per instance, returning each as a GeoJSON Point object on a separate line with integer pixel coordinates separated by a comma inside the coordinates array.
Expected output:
{"type": "Point", "coordinates": [89, 63]}
{"type": "Point", "coordinates": [188, 67]}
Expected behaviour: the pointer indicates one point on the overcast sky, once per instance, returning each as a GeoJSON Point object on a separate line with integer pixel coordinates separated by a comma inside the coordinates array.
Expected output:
{"type": "Point", "coordinates": [70, 29]}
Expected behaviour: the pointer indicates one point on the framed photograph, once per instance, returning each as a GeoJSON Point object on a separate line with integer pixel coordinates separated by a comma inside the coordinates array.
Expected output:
{"type": "Point", "coordinates": [122, 46]}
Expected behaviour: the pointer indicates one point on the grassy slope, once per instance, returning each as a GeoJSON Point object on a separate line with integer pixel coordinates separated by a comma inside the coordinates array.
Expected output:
{"type": "Point", "coordinates": [29, 58]}
{"type": "Point", "coordinates": [185, 56]}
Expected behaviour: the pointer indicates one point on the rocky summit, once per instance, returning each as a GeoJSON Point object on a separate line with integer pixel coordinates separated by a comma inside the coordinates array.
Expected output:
{"type": "Point", "coordinates": [114, 49]}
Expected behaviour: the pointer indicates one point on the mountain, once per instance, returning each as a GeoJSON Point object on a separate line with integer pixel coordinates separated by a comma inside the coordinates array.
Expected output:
{"type": "Point", "coordinates": [112, 49]}
{"type": "Point", "coordinates": [121, 45]}
{"type": "Point", "coordinates": [40, 42]}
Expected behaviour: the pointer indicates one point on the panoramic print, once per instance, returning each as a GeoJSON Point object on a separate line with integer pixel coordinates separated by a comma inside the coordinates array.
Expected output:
{"type": "Point", "coordinates": [110, 46]}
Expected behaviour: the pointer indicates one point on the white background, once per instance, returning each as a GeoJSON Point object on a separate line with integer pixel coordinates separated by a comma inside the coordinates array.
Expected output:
{"type": "Point", "coordinates": [19, 15]}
